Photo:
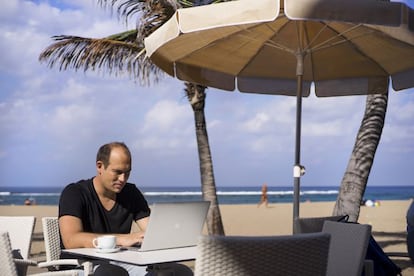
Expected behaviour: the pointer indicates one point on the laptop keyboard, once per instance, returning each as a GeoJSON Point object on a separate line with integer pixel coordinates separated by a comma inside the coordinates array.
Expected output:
{"type": "Point", "coordinates": [133, 248]}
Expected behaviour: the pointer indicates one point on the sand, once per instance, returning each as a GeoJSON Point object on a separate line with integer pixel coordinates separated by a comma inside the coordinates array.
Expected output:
{"type": "Point", "coordinates": [387, 220]}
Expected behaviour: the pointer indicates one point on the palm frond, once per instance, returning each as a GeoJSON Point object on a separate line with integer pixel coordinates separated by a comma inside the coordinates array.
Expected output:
{"type": "Point", "coordinates": [124, 8]}
{"type": "Point", "coordinates": [155, 12]}
{"type": "Point", "coordinates": [122, 52]}
{"type": "Point", "coordinates": [107, 55]}
{"type": "Point", "coordinates": [155, 15]}
{"type": "Point", "coordinates": [134, 9]}
{"type": "Point", "coordinates": [128, 36]}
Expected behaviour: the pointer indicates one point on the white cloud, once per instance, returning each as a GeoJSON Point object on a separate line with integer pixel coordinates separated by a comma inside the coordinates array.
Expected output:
{"type": "Point", "coordinates": [67, 120]}
{"type": "Point", "coordinates": [167, 116]}
{"type": "Point", "coordinates": [257, 123]}
{"type": "Point", "coordinates": [74, 90]}
{"type": "Point", "coordinates": [8, 7]}
{"type": "Point", "coordinates": [167, 125]}
{"type": "Point", "coordinates": [275, 117]}
{"type": "Point", "coordinates": [326, 129]}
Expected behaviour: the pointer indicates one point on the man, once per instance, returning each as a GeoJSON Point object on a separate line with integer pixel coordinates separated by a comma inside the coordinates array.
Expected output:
{"type": "Point", "coordinates": [105, 203]}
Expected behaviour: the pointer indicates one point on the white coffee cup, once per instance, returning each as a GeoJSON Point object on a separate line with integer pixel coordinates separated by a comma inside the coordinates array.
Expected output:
{"type": "Point", "coordinates": [105, 242]}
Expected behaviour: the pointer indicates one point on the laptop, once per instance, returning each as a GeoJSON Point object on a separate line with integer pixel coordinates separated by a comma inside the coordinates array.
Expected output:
{"type": "Point", "coordinates": [174, 225]}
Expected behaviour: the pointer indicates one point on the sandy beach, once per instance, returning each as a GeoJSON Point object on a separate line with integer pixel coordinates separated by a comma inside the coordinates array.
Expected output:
{"type": "Point", "coordinates": [387, 220]}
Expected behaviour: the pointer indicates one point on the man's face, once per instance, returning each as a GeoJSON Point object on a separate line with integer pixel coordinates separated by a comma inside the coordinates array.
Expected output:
{"type": "Point", "coordinates": [115, 176]}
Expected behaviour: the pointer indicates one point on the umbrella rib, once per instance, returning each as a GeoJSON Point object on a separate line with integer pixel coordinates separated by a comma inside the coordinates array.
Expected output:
{"type": "Point", "coordinates": [308, 48]}
{"type": "Point", "coordinates": [275, 45]}
{"type": "Point", "coordinates": [279, 46]}
{"type": "Point", "coordinates": [326, 43]}
{"type": "Point", "coordinates": [301, 37]}
{"type": "Point", "coordinates": [269, 43]}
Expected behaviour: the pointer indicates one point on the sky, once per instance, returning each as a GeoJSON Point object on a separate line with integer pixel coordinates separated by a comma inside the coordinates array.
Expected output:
{"type": "Point", "coordinates": [52, 122]}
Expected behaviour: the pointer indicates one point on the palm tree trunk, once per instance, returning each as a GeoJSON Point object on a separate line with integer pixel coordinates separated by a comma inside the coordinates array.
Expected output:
{"type": "Point", "coordinates": [196, 95]}
{"type": "Point", "coordinates": [356, 175]}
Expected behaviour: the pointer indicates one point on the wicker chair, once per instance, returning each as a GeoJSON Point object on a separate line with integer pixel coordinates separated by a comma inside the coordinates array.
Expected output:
{"type": "Point", "coordinates": [20, 229]}
{"type": "Point", "coordinates": [7, 264]}
{"type": "Point", "coordinates": [52, 247]}
{"type": "Point", "coordinates": [302, 254]}
{"type": "Point", "coordinates": [348, 248]}
{"type": "Point", "coordinates": [314, 224]}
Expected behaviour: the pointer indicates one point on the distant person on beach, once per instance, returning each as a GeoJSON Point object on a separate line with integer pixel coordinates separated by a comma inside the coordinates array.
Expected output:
{"type": "Point", "coordinates": [263, 197]}
{"type": "Point", "coordinates": [29, 201]}
{"type": "Point", "coordinates": [106, 203]}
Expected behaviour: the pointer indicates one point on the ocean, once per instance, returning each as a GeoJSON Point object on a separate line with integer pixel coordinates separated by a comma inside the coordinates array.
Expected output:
{"type": "Point", "coordinates": [226, 195]}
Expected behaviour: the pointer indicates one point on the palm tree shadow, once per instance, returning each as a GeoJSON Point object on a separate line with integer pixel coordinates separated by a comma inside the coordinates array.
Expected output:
{"type": "Point", "coordinates": [402, 263]}
{"type": "Point", "coordinates": [393, 238]}
{"type": "Point", "coordinates": [400, 258]}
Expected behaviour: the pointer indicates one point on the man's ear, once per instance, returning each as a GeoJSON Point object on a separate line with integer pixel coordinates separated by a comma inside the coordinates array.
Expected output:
{"type": "Point", "coordinates": [99, 165]}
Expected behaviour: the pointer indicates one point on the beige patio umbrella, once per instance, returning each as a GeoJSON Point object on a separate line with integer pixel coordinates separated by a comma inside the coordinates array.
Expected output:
{"type": "Point", "coordinates": [348, 47]}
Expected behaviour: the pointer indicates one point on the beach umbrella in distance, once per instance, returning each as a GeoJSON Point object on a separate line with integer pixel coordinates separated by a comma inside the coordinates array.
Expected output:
{"type": "Point", "coordinates": [351, 47]}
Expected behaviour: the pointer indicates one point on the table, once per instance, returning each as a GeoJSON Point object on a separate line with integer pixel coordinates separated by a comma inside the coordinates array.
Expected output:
{"type": "Point", "coordinates": [131, 256]}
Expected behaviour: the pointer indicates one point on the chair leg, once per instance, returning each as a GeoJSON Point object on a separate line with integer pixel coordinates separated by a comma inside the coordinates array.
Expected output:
{"type": "Point", "coordinates": [369, 267]}
{"type": "Point", "coordinates": [88, 268]}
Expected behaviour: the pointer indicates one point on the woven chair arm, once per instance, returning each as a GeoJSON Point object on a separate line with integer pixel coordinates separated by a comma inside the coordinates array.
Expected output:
{"type": "Point", "coordinates": [60, 273]}
{"type": "Point", "coordinates": [24, 262]}
{"type": "Point", "coordinates": [73, 262]}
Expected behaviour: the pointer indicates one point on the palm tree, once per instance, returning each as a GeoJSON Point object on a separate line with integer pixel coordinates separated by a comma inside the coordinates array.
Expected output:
{"type": "Point", "coordinates": [123, 52]}
{"type": "Point", "coordinates": [355, 179]}
{"type": "Point", "coordinates": [356, 175]}
{"type": "Point", "coordinates": [196, 95]}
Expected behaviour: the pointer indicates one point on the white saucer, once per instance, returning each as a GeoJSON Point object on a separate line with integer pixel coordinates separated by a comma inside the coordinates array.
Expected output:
{"type": "Point", "coordinates": [111, 250]}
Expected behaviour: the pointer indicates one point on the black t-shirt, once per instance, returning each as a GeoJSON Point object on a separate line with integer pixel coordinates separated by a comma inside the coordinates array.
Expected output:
{"type": "Point", "coordinates": [80, 200]}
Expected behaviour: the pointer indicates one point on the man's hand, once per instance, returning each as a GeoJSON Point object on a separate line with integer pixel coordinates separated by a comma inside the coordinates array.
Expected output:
{"type": "Point", "coordinates": [130, 239]}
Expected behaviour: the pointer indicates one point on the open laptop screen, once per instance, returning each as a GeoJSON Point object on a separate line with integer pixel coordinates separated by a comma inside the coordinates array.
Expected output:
{"type": "Point", "coordinates": [173, 225]}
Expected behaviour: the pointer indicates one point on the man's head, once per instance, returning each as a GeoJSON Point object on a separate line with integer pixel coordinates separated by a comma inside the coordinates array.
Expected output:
{"type": "Point", "coordinates": [113, 165]}
{"type": "Point", "coordinates": [104, 152]}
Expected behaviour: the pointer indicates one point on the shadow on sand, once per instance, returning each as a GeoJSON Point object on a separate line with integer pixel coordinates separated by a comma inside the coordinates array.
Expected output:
{"type": "Point", "coordinates": [399, 239]}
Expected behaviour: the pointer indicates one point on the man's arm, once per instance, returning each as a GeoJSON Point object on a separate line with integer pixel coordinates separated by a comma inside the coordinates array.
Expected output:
{"type": "Point", "coordinates": [73, 236]}
{"type": "Point", "coordinates": [143, 223]}
{"type": "Point", "coordinates": [135, 237]}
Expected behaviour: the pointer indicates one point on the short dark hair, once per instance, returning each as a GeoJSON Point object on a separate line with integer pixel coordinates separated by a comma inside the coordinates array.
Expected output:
{"type": "Point", "coordinates": [104, 152]}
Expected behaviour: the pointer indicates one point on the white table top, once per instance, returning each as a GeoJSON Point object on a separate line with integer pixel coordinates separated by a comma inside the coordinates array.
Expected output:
{"type": "Point", "coordinates": [137, 257]}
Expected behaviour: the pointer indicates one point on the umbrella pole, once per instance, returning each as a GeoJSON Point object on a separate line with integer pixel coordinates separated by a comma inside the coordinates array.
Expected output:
{"type": "Point", "coordinates": [298, 169]}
